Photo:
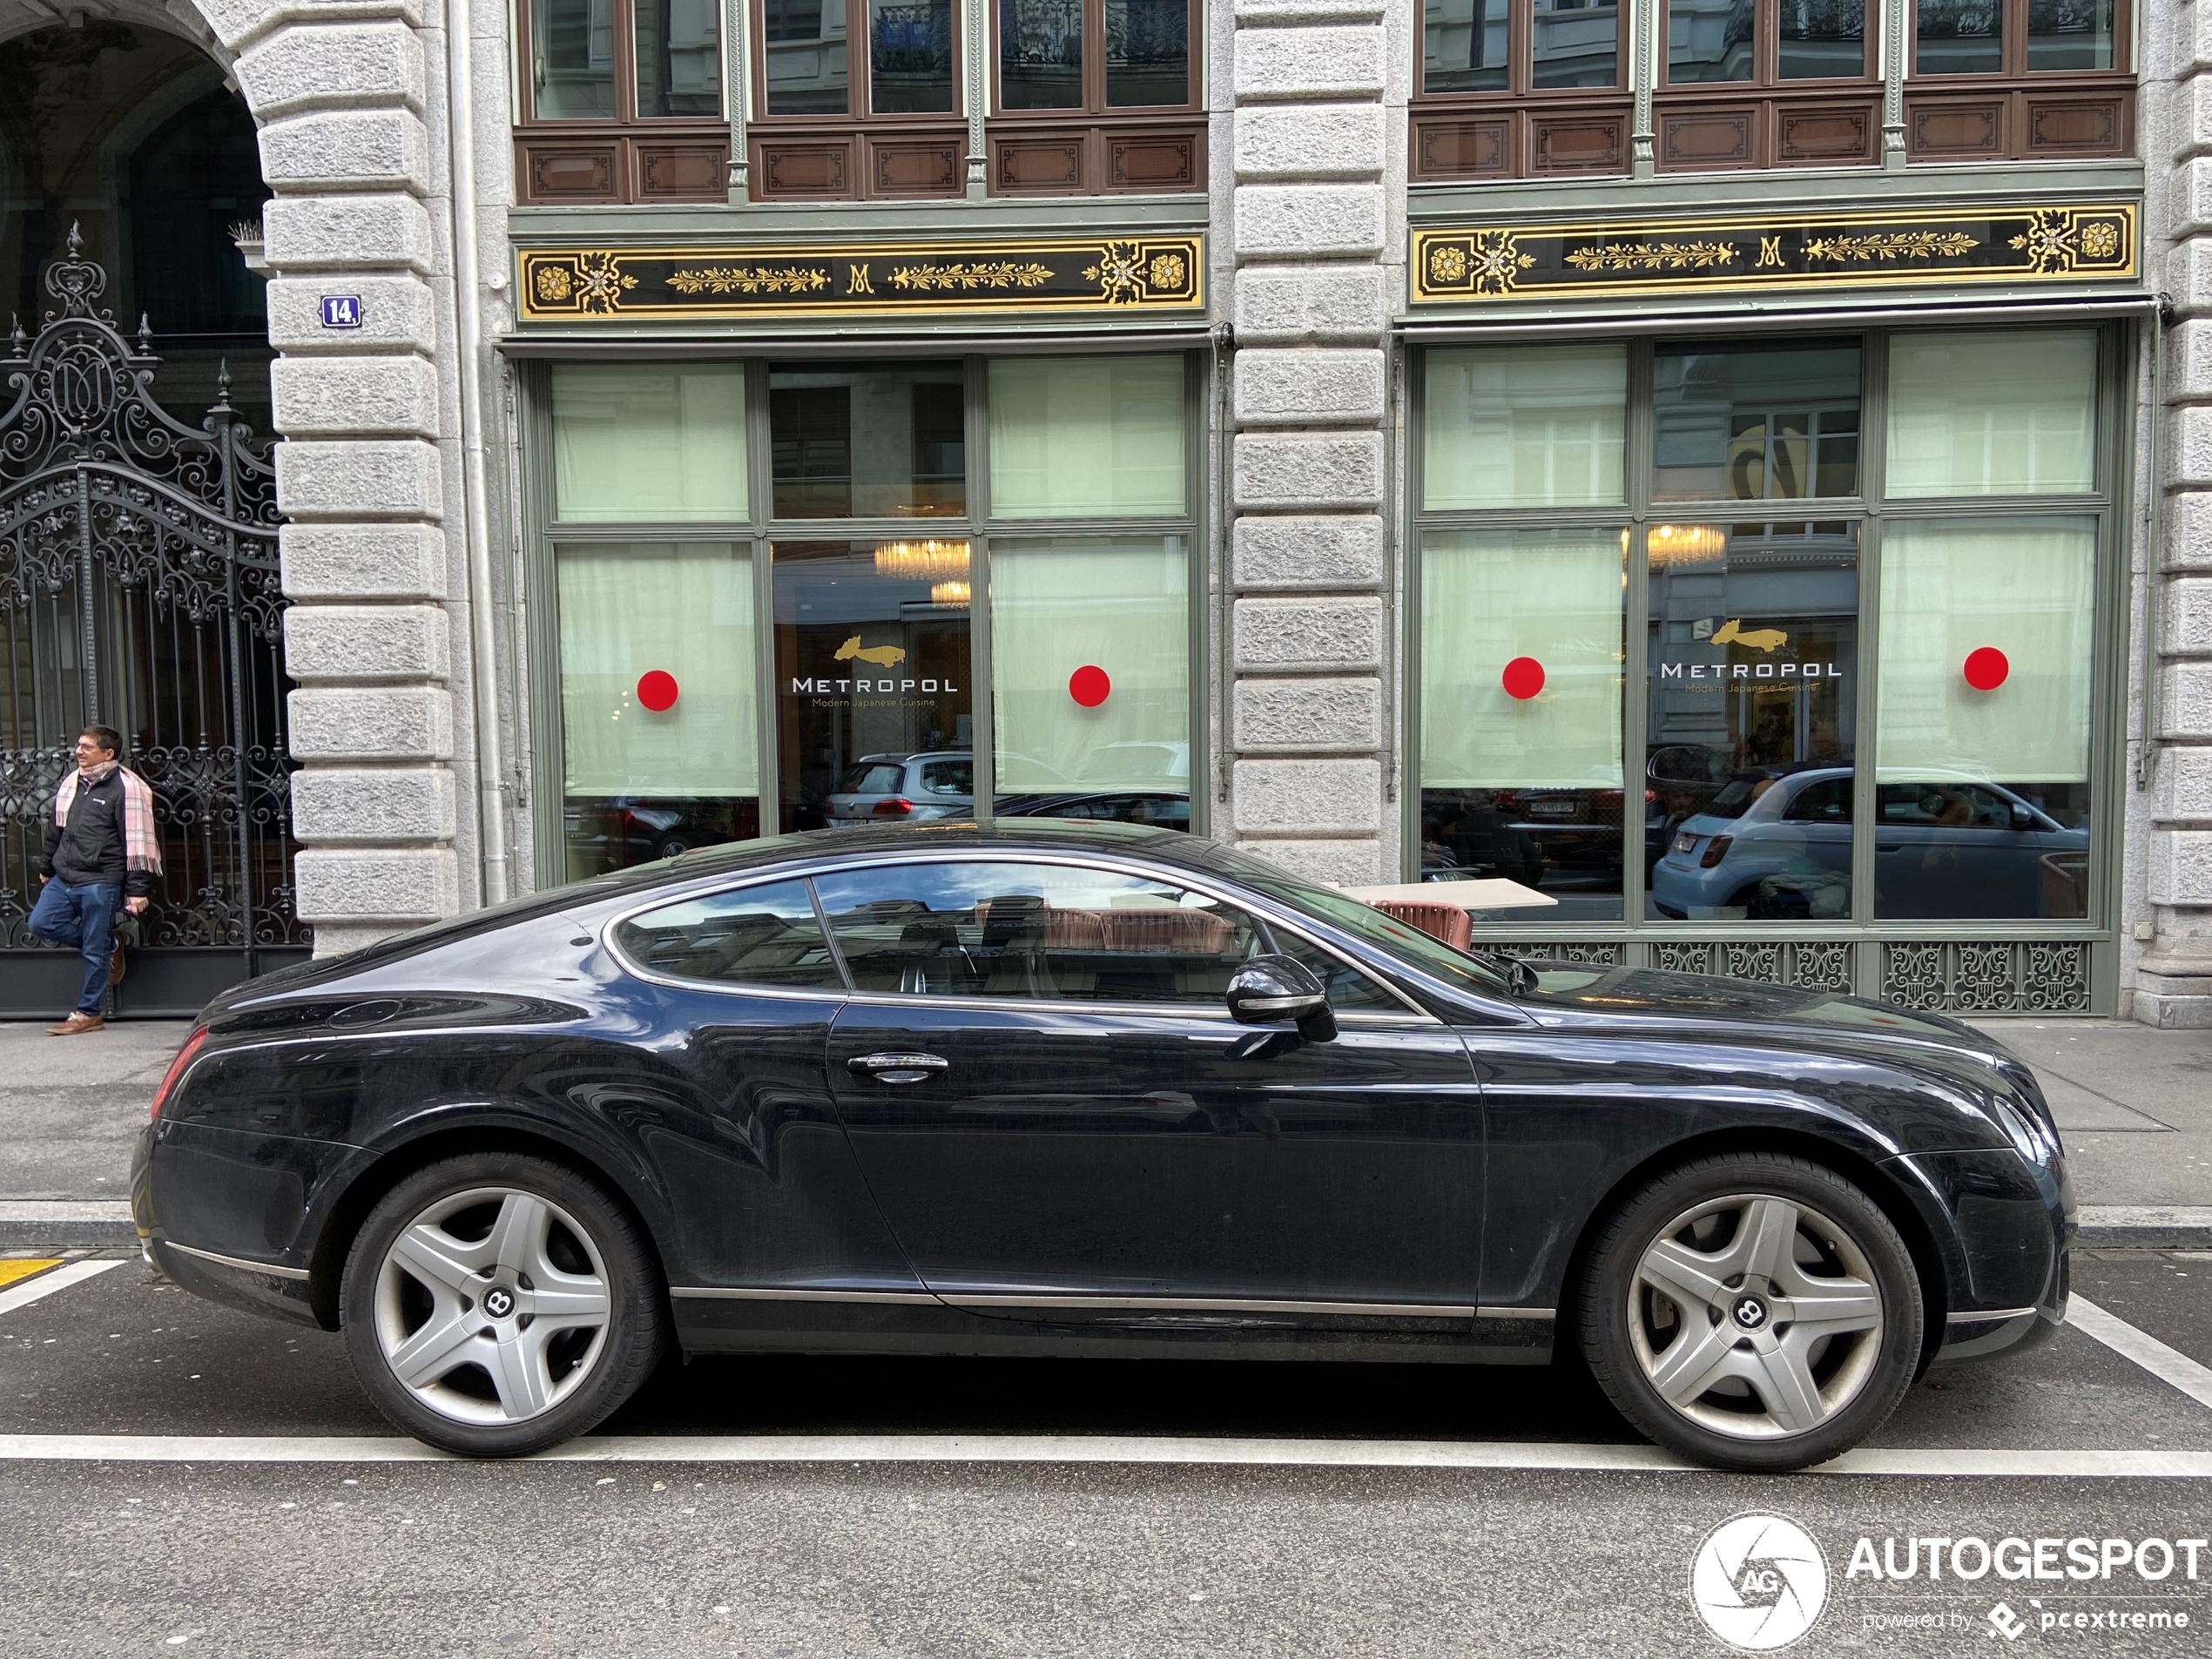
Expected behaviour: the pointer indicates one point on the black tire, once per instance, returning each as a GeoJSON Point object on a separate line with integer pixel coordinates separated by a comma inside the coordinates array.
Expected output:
{"type": "Point", "coordinates": [550, 1387]}
{"type": "Point", "coordinates": [1737, 1423]}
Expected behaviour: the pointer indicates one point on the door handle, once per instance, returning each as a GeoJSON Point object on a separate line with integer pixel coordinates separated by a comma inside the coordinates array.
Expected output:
{"type": "Point", "coordinates": [896, 1067]}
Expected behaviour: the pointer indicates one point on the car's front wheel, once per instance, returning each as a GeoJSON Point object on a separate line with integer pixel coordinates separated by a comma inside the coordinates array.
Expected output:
{"type": "Point", "coordinates": [497, 1302]}
{"type": "Point", "coordinates": [1752, 1311]}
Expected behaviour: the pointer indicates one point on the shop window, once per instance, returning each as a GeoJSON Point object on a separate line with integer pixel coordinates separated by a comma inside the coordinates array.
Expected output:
{"type": "Point", "coordinates": [1987, 514]}
{"type": "Point", "coordinates": [1084, 437]}
{"type": "Point", "coordinates": [2024, 78]}
{"type": "Point", "coordinates": [1775, 84]}
{"type": "Point", "coordinates": [1973, 415]}
{"type": "Point", "coordinates": [1746, 422]}
{"type": "Point", "coordinates": [1540, 426]}
{"type": "Point", "coordinates": [1091, 673]}
{"type": "Point", "coordinates": [868, 443]}
{"type": "Point", "coordinates": [1984, 718]}
{"type": "Point", "coordinates": [622, 102]}
{"type": "Point", "coordinates": [1520, 728]}
{"type": "Point", "coordinates": [656, 700]}
{"type": "Point", "coordinates": [644, 443]}
{"type": "Point", "coordinates": [1521, 88]}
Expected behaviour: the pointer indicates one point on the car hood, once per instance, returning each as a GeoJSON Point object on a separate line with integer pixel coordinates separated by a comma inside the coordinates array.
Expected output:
{"type": "Point", "coordinates": [1740, 1010]}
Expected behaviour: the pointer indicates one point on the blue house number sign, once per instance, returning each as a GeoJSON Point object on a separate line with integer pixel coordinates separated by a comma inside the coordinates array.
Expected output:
{"type": "Point", "coordinates": [341, 311]}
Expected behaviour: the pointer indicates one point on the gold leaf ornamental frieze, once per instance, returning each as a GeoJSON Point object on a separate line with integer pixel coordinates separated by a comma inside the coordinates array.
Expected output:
{"type": "Point", "coordinates": [750, 279]}
{"type": "Point", "coordinates": [969, 277]}
{"type": "Point", "coordinates": [1653, 256]}
{"type": "Point", "coordinates": [601, 283]}
{"type": "Point", "coordinates": [1890, 244]}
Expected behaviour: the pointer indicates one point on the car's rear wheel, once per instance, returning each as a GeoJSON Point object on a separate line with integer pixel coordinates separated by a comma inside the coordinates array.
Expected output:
{"type": "Point", "coordinates": [1752, 1311]}
{"type": "Point", "coordinates": [498, 1303]}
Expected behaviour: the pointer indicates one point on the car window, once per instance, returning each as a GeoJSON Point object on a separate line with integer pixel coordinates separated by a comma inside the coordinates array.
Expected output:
{"type": "Point", "coordinates": [764, 935]}
{"type": "Point", "coordinates": [1025, 932]}
{"type": "Point", "coordinates": [873, 777]}
{"type": "Point", "coordinates": [1350, 990]}
{"type": "Point", "coordinates": [1945, 805]}
{"type": "Point", "coordinates": [1825, 802]}
{"type": "Point", "coordinates": [949, 778]}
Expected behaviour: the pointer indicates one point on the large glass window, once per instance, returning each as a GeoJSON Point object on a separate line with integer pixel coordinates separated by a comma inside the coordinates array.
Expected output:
{"type": "Point", "coordinates": [1770, 42]}
{"type": "Point", "coordinates": [572, 67]}
{"type": "Point", "coordinates": [646, 443]}
{"type": "Point", "coordinates": [2013, 36]}
{"type": "Point", "coordinates": [679, 57]}
{"type": "Point", "coordinates": [1521, 712]}
{"type": "Point", "coordinates": [1094, 55]}
{"type": "Point", "coordinates": [1482, 46]}
{"type": "Point", "coordinates": [626, 60]}
{"type": "Point", "coordinates": [1747, 521]}
{"type": "Point", "coordinates": [1973, 415]}
{"type": "Point", "coordinates": [910, 57]}
{"type": "Point", "coordinates": [807, 56]}
{"type": "Point", "coordinates": [1086, 437]}
{"type": "Point", "coordinates": [888, 442]}
{"type": "Point", "coordinates": [1538, 425]}
{"type": "Point", "coordinates": [658, 707]}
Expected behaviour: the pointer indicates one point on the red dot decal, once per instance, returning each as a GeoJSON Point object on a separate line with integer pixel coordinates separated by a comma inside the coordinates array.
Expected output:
{"type": "Point", "coordinates": [1523, 678]}
{"type": "Point", "coordinates": [656, 691]}
{"type": "Point", "coordinates": [1986, 668]}
{"type": "Point", "coordinates": [1088, 685]}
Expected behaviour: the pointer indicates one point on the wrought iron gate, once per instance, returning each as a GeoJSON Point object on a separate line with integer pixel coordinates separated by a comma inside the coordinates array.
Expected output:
{"type": "Point", "coordinates": [139, 587]}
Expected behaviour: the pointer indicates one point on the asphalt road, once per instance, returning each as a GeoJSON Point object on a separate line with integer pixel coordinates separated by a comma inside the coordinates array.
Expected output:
{"type": "Point", "coordinates": [864, 1556]}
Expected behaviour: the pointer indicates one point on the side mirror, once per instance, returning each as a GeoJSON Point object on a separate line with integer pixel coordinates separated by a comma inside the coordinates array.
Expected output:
{"type": "Point", "coordinates": [2023, 817]}
{"type": "Point", "coordinates": [1273, 991]}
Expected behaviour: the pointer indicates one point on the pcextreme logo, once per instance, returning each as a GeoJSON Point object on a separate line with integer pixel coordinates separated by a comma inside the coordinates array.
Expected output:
{"type": "Point", "coordinates": [1759, 1583]}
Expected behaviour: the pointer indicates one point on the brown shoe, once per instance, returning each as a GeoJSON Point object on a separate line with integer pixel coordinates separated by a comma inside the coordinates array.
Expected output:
{"type": "Point", "coordinates": [77, 1025]}
{"type": "Point", "coordinates": [115, 967]}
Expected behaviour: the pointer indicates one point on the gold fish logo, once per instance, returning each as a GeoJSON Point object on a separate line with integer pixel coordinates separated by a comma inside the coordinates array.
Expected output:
{"type": "Point", "coordinates": [881, 656]}
{"type": "Point", "coordinates": [1732, 633]}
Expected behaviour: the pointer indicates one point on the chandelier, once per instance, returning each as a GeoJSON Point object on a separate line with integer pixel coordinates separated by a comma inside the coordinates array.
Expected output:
{"type": "Point", "coordinates": [1686, 543]}
{"type": "Point", "coordinates": [929, 561]}
{"type": "Point", "coordinates": [948, 593]}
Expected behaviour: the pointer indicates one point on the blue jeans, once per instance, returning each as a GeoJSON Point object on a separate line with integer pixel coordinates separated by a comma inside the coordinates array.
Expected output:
{"type": "Point", "coordinates": [81, 919]}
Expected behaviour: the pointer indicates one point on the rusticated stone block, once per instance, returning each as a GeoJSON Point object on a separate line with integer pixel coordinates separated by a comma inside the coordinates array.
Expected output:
{"type": "Point", "coordinates": [331, 64]}
{"type": "Point", "coordinates": [1309, 633]}
{"type": "Point", "coordinates": [366, 643]}
{"type": "Point", "coordinates": [1309, 388]}
{"type": "Point", "coordinates": [1309, 714]}
{"type": "Point", "coordinates": [345, 723]}
{"type": "Point", "coordinates": [1292, 470]}
{"type": "Point", "coordinates": [1301, 141]}
{"type": "Point", "coordinates": [1310, 303]}
{"type": "Point", "coordinates": [347, 150]}
{"type": "Point", "coordinates": [347, 232]}
{"type": "Point", "coordinates": [397, 314]}
{"type": "Point", "coordinates": [404, 885]}
{"type": "Point", "coordinates": [1326, 61]}
{"type": "Point", "coordinates": [359, 478]}
{"type": "Point", "coordinates": [1341, 863]}
{"type": "Point", "coordinates": [363, 560]}
{"type": "Point", "coordinates": [341, 804]}
{"type": "Point", "coordinates": [1309, 221]}
{"type": "Point", "coordinates": [1301, 551]}
{"type": "Point", "coordinates": [341, 396]}
{"type": "Point", "coordinates": [1319, 798]}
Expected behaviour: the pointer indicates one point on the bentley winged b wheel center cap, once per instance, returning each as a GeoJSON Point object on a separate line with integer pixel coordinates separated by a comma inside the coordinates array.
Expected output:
{"type": "Point", "coordinates": [499, 1302]}
{"type": "Point", "coordinates": [1751, 1313]}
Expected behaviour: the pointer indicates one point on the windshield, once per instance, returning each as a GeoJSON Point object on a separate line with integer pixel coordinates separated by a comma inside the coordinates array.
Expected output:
{"type": "Point", "coordinates": [1365, 922]}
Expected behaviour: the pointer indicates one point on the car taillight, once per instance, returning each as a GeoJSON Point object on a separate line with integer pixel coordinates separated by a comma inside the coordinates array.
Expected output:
{"type": "Point", "coordinates": [177, 1067]}
{"type": "Point", "coordinates": [1716, 850]}
{"type": "Point", "coordinates": [897, 807]}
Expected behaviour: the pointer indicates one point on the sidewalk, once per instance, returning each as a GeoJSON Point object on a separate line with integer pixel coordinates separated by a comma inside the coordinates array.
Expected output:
{"type": "Point", "coordinates": [2133, 1106]}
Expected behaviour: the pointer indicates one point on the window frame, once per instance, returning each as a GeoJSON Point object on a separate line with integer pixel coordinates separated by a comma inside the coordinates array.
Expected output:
{"type": "Point", "coordinates": [1521, 64]}
{"type": "Point", "coordinates": [1766, 58]}
{"type": "Point", "coordinates": [2107, 501]}
{"type": "Point", "coordinates": [625, 81]}
{"type": "Point", "coordinates": [860, 84]}
{"type": "Point", "coordinates": [757, 535]}
{"type": "Point", "coordinates": [2014, 71]}
{"type": "Point", "coordinates": [1093, 106]}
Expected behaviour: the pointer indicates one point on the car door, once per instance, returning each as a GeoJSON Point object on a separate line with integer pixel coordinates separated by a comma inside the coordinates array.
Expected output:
{"type": "Point", "coordinates": [729, 1024]}
{"type": "Point", "coordinates": [1059, 1118]}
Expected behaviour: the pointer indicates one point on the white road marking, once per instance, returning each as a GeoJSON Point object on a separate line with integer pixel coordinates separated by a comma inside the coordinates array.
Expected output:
{"type": "Point", "coordinates": [1083, 1448]}
{"type": "Point", "coordinates": [2167, 1364]}
{"type": "Point", "coordinates": [57, 1278]}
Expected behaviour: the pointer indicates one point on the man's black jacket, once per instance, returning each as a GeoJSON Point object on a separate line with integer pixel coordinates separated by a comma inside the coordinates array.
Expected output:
{"type": "Point", "coordinates": [90, 847]}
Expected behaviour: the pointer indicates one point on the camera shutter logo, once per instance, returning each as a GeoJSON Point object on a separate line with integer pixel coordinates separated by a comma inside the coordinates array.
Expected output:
{"type": "Point", "coordinates": [1759, 1583]}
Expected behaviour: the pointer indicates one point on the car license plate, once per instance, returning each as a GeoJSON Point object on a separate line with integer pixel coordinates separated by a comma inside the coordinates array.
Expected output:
{"type": "Point", "coordinates": [1552, 808]}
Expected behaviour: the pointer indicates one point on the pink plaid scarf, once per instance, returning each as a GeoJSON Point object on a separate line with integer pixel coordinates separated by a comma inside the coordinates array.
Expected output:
{"type": "Point", "coordinates": [141, 847]}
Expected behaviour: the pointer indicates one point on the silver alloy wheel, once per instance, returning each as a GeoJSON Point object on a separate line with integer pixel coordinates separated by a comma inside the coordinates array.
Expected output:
{"type": "Point", "coordinates": [1755, 1316]}
{"type": "Point", "coordinates": [484, 1325]}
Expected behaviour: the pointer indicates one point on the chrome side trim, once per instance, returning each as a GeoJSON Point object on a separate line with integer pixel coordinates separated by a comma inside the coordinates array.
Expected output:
{"type": "Point", "coordinates": [236, 1262]}
{"type": "Point", "coordinates": [1516, 1313]}
{"type": "Point", "coordinates": [1990, 1317]}
{"type": "Point", "coordinates": [1212, 1304]}
{"type": "Point", "coordinates": [728, 1293]}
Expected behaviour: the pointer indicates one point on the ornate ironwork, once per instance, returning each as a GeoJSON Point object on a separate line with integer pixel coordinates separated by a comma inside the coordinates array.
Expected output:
{"type": "Point", "coordinates": [139, 586]}
{"type": "Point", "coordinates": [1993, 976]}
{"type": "Point", "coordinates": [1598, 954]}
{"type": "Point", "coordinates": [1813, 965]}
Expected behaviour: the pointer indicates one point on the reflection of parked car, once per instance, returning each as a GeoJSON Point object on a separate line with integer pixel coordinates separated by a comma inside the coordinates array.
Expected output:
{"type": "Point", "coordinates": [1133, 807]}
{"type": "Point", "coordinates": [1774, 844]}
{"type": "Point", "coordinates": [617, 832]}
{"type": "Point", "coordinates": [906, 789]}
{"type": "Point", "coordinates": [1680, 780]}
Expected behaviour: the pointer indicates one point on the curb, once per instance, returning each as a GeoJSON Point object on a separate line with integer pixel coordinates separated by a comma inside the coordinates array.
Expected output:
{"type": "Point", "coordinates": [74, 1224]}
{"type": "Point", "coordinates": [2145, 1227]}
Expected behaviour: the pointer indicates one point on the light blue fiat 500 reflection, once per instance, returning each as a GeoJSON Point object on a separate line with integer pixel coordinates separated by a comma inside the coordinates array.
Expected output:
{"type": "Point", "coordinates": [1774, 844]}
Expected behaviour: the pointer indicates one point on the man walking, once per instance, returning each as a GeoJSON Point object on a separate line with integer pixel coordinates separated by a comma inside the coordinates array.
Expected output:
{"type": "Point", "coordinates": [100, 846]}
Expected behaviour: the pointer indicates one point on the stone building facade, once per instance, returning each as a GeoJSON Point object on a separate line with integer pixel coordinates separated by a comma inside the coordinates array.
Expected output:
{"type": "Point", "coordinates": [411, 173]}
